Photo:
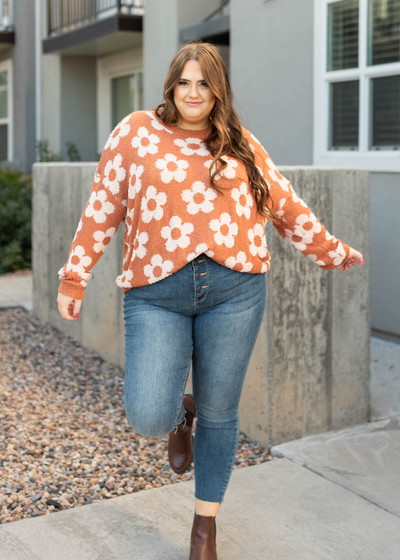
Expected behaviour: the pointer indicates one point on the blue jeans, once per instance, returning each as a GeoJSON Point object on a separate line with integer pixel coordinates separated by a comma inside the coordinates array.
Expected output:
{"type": "Point", "coordinates": [207, 314]}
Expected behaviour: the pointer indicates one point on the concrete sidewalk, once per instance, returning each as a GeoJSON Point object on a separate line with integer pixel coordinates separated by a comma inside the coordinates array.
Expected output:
{"type": "Point", "coordinates": [330, 496]}
{"type": "Point", "coordinates": [16, 289]}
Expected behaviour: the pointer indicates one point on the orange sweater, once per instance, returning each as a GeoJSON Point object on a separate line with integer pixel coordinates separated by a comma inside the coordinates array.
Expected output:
{"type": "Point", "coordinates": [154, 178]}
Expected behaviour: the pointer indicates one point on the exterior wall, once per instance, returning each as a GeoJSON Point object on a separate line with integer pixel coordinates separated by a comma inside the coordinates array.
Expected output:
{"type": "Point", "coordinates": [306, 374]}
{"type": "Point", "coordinates": [385, 262]}
{"type": "Point", "coordinates": [162, 20]}
{"type": "Point", "coordinates": [78, 105]}
{"type": "Point", "coordinates": [272, 75]}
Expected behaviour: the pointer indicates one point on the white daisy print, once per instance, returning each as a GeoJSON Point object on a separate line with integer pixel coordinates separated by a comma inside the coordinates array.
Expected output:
{"type": "Point", "coordinates": [156, 124]}
{"type": "Point", "coordinates": [276, 176]}
{"type": "Point", "coordinates": [172, 168]}
{"type": "Point", "coordinates": [103, 239]}
{"type": "Point", "coordinates": [98, 207]}
{"type": "Point", "coordinates": [200, 248]}
{"type": "Point", "coordinates": [199, 198]}
{"type": "Point", "coordinates": [78, 261]}
{"type": "Point", "coordinates": [114, 174]}
{"type": "Point", "coordinates": [314, 258]}
{"type": "Point", "coordinates": [295, 240]}
{"type": "Point", "coordinates": [119, 132]}
{"type": "Point", "coordinates": [97, 177]}
{"type": "Point", "coordinates": [258, 245]}
{"type": "Point", "coordinates": [254, 138]}
{"type": "Point", "coordinates": [240, 258]}
{"type": "Point", "coordinates": [157, 269]}
{"type": "Point", "coordinates": [329, 237]}
{"type": "Point", "coordinates": [145, 141]}
{"type": "Point", "coordinates": [252, 148]}
{"type": "Point", "coordinates": [127, 223]}
{"type": "Point", "coordinates": [306, 226]}
{"type": "Point", "coordinates": [191, 146]}
{"type": "Point", "coordinates": [152, 204]}
{"type": "Point", "coordinates": [296, 198]}
{"type": "Point", "coordinates": [139, 243]}
{"type": "Point", "coordinates": [280, 212]}
{"type": "Point", "coordinates": [135, 182]}
{"type": "Point", "coordinates": [225, 230]}
{"type": "Point", "coordinates": [244, 200]}
{"type": "Point", "coordinates": [265, 266]}
{"type": "Point", "coordinates": [177, 233]}
{"type": "Point", "coordinates": [230, 170]}
{"type": "Point", "coordinates": [124, 280]}
{"type": "Point", "coordinates": [338, 255]}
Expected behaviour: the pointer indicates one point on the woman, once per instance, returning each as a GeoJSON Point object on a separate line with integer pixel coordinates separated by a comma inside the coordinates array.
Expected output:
{"type": "Point", "coordinates": [193, 189]}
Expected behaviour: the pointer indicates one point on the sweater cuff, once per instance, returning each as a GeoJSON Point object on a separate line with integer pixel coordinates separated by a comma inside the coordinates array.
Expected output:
{"type": "Point", "coordinates": [71, 289]}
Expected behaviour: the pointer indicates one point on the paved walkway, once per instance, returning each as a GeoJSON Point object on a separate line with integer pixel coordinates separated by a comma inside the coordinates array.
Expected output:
{"type": "Point", "coordinates": [331, 496]}
{"type": "Point", "coordinates": [16, 289]}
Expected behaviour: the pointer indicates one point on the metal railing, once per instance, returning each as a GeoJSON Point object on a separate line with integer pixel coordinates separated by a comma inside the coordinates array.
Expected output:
{"type": "Point", "coordinates": [64, 15]}
{"type": "Point", "coordinates": [6, 16]}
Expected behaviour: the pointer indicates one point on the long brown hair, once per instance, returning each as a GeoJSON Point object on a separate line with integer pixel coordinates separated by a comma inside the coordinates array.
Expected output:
{"type": "Point", "coordinates": [226, 137]}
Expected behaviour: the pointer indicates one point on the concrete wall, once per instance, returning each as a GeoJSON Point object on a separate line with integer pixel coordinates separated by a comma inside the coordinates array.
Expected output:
{"type": "Point", "coordinates": [271, 70]}
{"type": "Point", "coordinates": [385, 262]}
{"type": "Point", "coordinates": [310, 368]}
{"type": "Point", "coordinates": [162, 21]}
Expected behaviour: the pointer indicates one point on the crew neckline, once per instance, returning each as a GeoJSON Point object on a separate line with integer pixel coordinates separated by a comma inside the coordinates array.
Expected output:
{"type": "Point", "coordinates": [201, 133]}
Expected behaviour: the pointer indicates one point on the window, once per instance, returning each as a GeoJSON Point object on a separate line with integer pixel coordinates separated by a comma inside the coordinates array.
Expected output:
{"type": "Point", "coordinates": [126, 96]}
{"type": "Point", "coordinates": [357, 73]}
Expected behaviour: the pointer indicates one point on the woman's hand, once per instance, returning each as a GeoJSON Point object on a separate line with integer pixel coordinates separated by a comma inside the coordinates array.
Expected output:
{"type": "Point", "coordinates": [68, 307]}
{"type": "Point", "coordinates": [354, 257]}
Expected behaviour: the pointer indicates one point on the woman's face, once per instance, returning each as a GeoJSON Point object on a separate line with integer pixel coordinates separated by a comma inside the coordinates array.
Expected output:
{"type": "Point", "coordinates": [193, 98]}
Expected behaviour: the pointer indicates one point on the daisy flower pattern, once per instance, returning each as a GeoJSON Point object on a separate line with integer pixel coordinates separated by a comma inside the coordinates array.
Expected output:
{"type": "Point", "coordinates": [156, 124]}
{"type": "Point", "coordinates": [121, 130]}
{"type": "Point", "coordinates": [225, 230]}
{"type": "Point", "coordinates": [139, 243]}
{"type": "Point", "coordinates": [244, 200]}
{"type": "Point", "coordinates": [338, 255]}
{"type": "Point", "coordinates": [103, 239]}
{"type": "Point", "coordinates": [77, 229]}
{"type": "Point", "coordinates": [315, 260]}
{"type": "Point", "coordinates": [146, 142]}
{"type": "Point", "coordinates": [114, 174]}
{"type": "Point", "coordinates": [199, 198]}
{"type": "Point", "coordinates": [230, 170]}
{"type": "Point", "coordinates": [177, 233]}
{"type": "Point", "coordinates": [157, 269]}
{"type": "Point", "coordinates": [306, 226]}
{"type": "Point", "coordinates": [98, 207]}
{"type": "Point", "coordinates": [152, 204]}
{"type": "Point", "coordinates": [124, 280]}
{"type": "Point", "coordinates": [200, 248]}
{"type": "Point", "coordinates": [127, 223]}
{"type": "Point", "coordinates": [135, 183]}
{"type": "Point", "coordinates": [78, 261]}
{"type": "Point", "coordinates": [276, 176]}
{"type": "Point", "coordinates": [240, 258]}
{"type": "Point", "coordinates": [258, 245]}
{"type": "Point", "coordinates": [192, 146]}
{"type": "Point", "coordinates": [172, 168]}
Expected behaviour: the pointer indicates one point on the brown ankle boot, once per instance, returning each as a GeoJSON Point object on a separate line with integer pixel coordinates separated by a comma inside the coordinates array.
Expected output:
{"type": "Point", "coordinates": [203, 545]}
{"type": "Point", "coordinates": [180, 440]}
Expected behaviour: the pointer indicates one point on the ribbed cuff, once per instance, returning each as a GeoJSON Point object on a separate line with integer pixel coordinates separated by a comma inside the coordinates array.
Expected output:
{"type": "Point", "coordinates": [71, 289]}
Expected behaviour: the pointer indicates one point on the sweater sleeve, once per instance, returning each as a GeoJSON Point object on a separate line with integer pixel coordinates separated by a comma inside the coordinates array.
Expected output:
{"type": "Point", "coordinates": [104, 211]}
{"type": "Point", "coordinates": [298, 225]}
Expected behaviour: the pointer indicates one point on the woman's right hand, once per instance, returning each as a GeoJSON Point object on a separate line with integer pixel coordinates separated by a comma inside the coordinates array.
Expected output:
{"type": "Point", "coordinates": [68, 307]}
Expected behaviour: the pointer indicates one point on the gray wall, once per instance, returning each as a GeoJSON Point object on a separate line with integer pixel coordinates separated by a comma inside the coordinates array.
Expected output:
{"type": "Point", "coordinates": [385, 253]}
{"type": "Point", "coordinates": [271, 71]}
{"type": "Point", "coordinates": [310, 368]}
{"type": "Point", "coordinates": [78, 105]}
{"type": "Point", "coordinates": [162, 21]}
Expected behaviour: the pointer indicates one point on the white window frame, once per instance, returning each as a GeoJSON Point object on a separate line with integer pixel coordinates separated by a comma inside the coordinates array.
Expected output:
{"type": "Point", "coordinates": [374, 160]}
{"type": "Point", "coordinates": [7, 65]}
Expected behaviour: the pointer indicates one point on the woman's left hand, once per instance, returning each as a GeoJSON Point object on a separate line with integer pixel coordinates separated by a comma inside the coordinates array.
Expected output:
{"type": "Point", "coordinates": [354, 258]}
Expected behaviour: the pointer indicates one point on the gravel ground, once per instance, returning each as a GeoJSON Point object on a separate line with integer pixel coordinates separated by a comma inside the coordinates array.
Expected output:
{"type": "Point", "coordinates": [64, 438]}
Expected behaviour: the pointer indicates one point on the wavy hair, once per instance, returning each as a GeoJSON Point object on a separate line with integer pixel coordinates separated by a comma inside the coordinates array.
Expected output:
{"type": "Point", "coordinates": [226, 137]}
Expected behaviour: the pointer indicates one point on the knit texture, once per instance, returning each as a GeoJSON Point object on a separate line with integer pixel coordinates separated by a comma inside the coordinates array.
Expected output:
{"type": "Point", "coordinates": [154, 178]}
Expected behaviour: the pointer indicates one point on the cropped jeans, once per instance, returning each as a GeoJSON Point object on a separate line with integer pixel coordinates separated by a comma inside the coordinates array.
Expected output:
{"type": "Point", "coordinates": [208, 315]}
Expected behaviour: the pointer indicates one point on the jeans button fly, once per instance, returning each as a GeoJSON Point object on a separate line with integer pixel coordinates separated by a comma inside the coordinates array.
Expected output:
{"type": "Point", "coordinates": [196, 262]}
{"type": "Point", "coordinates": [199, 288]}
{"type": "Point", "coordinates": [198, 275]}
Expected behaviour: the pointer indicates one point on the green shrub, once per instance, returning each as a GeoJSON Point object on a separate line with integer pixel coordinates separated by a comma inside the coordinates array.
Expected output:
{"type": "Point", "coordinates": [15, 220]}
{"type": "Point", "coordinates": [44, 152]}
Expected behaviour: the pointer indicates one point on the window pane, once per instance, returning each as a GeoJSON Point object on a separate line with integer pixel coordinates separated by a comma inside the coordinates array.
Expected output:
{"type": "Point", "coordinates": [343, 35]}
{"type": "Point", "coordinates": [123, 97]}
{"type": "Point", "coordinates": [384, 31]}
{"type": "Point", "coordinates": [3, 141]}
{"type": "Point", "coordinates": [385, 97]}
{"type": "Point", "coordinates": [3, 104]}
{"type": "Point", "coordinates": [344, 115]}
{"type": "Point", "coordinates": [3, 78]}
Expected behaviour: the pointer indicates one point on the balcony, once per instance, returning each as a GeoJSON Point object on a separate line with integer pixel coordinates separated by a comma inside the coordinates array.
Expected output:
{"type": "Point", "coordinates": [7, 36]}
{"type": "Point", "coordinates": [214, 28]}
{"type": "Point", "coordinates": [93, 27]}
